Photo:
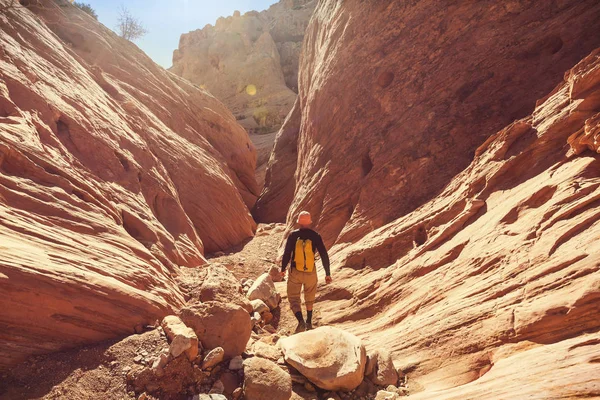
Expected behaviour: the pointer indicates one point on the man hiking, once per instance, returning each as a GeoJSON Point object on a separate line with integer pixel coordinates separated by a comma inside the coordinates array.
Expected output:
{"type": "Point", "coordinates": [300, 249]}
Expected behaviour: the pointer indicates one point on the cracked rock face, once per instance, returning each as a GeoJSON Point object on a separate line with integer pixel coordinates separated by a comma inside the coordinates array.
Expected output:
{"type": "Point", "coordinates": [250, 61]}
{"type": "Point", "coordinates": [102, 154]}
{"type": "Point", "coordinates": [219, 324]}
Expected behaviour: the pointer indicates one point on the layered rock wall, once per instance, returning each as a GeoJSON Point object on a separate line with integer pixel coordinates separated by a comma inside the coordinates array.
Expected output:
{"type": "Point", "coordinates": [113, 173]}
{"type": "Point", "coordinates": [491, 290]}
{"type": "Point", "coordinates": [482, 283]}
{"type": "Point", "coordinates": [394, 98]}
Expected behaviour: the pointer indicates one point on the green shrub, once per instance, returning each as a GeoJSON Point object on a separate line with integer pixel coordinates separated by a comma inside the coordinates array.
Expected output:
{"type": "Point", "coordinates": [87, 8]}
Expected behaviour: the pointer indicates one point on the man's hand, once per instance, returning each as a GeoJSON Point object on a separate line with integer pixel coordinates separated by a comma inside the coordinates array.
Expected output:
{"type": "Point", "coordinates": [282, 274]}
{"type": "Point", "coordinates": [328, 280]}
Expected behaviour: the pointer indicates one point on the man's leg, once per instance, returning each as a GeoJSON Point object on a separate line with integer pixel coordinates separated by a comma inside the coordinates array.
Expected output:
{"type": "Point", "coordinates": [310, 292]}
{"type": "Point", "coordinates": [294, 287]}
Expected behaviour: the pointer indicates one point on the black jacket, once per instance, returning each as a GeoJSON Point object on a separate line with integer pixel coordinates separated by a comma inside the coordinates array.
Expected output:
{"type": "Point", "coordinates": [317, 243]}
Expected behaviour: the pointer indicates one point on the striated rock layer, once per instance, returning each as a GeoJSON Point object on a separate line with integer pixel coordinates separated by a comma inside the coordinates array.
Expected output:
{"type": "Point", "coordinates": [492, 289]}
{"type": "Point", "coordinates": [250, 61]}
{"type": "Point", "coordinates": [113, 172]}
{"type": "Point", "coordinates": [394, 97]}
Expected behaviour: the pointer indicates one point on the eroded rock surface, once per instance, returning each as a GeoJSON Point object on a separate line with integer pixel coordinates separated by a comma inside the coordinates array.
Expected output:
{"type": "Point", "coordinates": [113, 172]}
{"type": "Point", "coordinates": [495, 282]}
{"type": "Point", "coordinates": [250, 61]}
{"type": "Point", "coordinates": [396, 96]}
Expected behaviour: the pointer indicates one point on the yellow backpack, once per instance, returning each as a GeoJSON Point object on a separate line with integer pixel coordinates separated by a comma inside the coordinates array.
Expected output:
{"type": "Point", "coordinates": [304, 257]}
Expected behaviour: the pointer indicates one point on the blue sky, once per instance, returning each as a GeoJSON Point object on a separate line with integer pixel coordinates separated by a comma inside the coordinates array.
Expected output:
{"type": "Point", "coordinates": [166, 20]}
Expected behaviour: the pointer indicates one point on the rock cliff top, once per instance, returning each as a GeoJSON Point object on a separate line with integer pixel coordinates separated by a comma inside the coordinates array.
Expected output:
{"type": "Point", "coordinates": [249, 61]}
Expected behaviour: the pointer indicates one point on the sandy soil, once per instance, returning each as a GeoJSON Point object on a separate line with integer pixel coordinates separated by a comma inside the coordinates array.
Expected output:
{"type": "Point", "coordinates": [91, 372]}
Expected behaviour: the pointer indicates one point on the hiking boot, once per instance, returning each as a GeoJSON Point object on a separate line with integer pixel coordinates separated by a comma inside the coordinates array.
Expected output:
{"type": "Point", "coordinates": [309, 326]}
{"type": "Point", "coordinates": [301, 327]}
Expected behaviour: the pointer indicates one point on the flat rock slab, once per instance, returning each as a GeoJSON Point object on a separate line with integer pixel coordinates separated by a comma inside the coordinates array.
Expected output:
{"type": "Point", "coordinates": [331, 358]}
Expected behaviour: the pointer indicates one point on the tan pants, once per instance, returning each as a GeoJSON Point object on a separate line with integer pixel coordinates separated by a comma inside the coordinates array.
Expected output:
{"type": "Point", "coordinates": [296, 281]}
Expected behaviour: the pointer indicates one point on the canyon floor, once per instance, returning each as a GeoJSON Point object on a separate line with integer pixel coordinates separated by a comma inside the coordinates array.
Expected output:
{"type": "Point", "coordinates": [100, 371]}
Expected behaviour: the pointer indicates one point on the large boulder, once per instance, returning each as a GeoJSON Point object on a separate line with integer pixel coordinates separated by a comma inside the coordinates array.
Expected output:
{"type": "Point", "coordinates": [182, 338]}
{"type": "Point", "coordinates": [219, 325]}
{"type": "Point", "coordinates": [219, 284]}
{"type": "Point", "coordinates": [265, 380]}
{"type": "Point", "coordinates": [264, 289]}
{"type": "Point", "coordinates": [331, 358]}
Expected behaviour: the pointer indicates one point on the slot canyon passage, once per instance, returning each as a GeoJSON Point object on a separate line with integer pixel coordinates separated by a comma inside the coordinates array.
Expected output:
{"type": "Point", "coordinates": [448, 155]}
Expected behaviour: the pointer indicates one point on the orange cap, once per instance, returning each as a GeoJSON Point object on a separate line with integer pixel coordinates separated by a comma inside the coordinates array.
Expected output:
{"type": "Point", "coordinates": [304, 218]}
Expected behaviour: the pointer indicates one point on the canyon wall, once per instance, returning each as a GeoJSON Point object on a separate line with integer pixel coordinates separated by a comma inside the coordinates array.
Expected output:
{"type": "Point", "coordinates": [394, 98]}
{"type": "Point", "coordinates": [250, 61]}
{"type": "Point", "coordinates": [492, 289]}
{"type": "Point", "coordinates": [482, 283]}
{"type": "Point", "coordinates": [113, 173]}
